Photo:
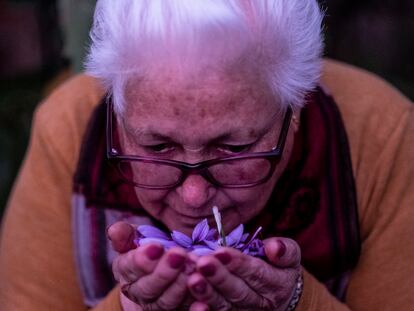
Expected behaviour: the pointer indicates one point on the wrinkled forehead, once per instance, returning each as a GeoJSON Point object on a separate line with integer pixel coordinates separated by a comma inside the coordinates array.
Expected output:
{"type": "Point", "coordinates": [210, 94]}
{"type": "Point", "coordinates": [199, 111]}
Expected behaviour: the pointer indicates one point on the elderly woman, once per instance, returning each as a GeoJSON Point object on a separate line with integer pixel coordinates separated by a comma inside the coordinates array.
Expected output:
{"type": "Point", "coordinates": [195, 104]}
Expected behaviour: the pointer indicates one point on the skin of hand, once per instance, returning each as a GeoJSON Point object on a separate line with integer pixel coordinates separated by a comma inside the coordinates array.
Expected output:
{"type": "Point", "coordinates": [227, 280]}
{"type": "Point", "coordinates": [231, 280]}
{"type": "Point", "coordinates": [150, 278]}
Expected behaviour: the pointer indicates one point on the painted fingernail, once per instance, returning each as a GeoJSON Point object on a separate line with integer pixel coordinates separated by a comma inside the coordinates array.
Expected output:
{"type": "Point", "coordinates": [154, 252]}
{"type": "Point", "coordinates": [224, 258]}
{"type": "Point", "coordinates": [199, 287]}
{"type": "Point", "coordinates": [175, 261]}
{"type": "Point", "coordinates": [208, 270]}
{"type": "Point", "coordinates": [281, 249]}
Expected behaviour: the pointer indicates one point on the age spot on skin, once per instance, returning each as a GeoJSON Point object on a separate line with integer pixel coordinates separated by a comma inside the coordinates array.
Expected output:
{"type": "Point", "coordinates": [172, 99]}
{"type": "Point", "coordinates": [189, 98]}
{"type": "Point", "coordinates": [177, 111]}
{"type": "Point", "coordinates": [252, 133]}
{"type": "Point", "coordinates": [202, 113]}
{"type": "Point", "coordinates": [231, 105]}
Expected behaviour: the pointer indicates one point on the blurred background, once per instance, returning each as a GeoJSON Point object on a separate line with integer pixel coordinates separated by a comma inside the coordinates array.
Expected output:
{"type": "Point", "coordinates": [43, 42]}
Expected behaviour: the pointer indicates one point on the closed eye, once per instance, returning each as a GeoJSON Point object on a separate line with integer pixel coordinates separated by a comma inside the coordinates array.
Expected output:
{"type": "Point", "coordinates": [234, 149]}
{"type": "Point", "coordinates": [159, 148]}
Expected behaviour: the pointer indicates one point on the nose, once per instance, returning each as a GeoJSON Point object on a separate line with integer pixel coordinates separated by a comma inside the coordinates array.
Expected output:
{"type": "Point", "coordinates": [195, 191]}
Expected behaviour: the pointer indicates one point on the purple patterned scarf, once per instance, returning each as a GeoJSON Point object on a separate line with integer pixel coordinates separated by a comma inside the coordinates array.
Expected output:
{"type": "Point", "coordinates": [314, 202]}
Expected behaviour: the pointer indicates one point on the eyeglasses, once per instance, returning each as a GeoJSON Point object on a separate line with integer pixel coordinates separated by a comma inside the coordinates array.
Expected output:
{"type": "Point", "coordinates": [239, 171]}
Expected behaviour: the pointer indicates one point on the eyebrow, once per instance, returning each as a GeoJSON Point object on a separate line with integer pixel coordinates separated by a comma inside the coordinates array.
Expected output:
{"type": "Point", "coordinates": [140, 132]}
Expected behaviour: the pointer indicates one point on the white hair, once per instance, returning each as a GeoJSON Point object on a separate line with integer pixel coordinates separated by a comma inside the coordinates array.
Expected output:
{"type": "Point", "coordinates": [280, 40]}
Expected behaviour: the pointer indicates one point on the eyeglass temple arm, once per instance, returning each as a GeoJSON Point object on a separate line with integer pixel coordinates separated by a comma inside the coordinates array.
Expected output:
{"type": "Point", "coordinates": [109, 142]}
{"type": "Point", "coordinates": [285, 129]}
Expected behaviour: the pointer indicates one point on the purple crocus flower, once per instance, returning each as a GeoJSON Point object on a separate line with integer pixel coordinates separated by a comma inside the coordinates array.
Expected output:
{"type": "Point", "coordinates": [203, 240]}
{"type": "Point", "coordinates": [149, 234]}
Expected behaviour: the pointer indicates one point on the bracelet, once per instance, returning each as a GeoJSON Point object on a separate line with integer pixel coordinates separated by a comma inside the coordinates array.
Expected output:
{"type": "Point", "coordinates": [297, 294]}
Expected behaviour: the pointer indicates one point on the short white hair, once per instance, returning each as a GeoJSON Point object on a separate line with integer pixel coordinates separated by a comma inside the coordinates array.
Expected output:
{"type": "Point", "coordinates": [281, 40]}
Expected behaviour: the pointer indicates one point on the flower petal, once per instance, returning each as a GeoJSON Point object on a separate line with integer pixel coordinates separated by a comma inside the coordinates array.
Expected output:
{"type": "Point", "coordinates": [253, 238]}
{"type": "Point", "coordinates": [166, 243]}
{"type": "Point", "coordinates": [244, 237]}
{"type": "Point", "coordinates": [181, 239]}
{"type": "Point", "coordinates": [200, 231]}
{"type": "Point", "coordinates": [201, 251]}
{"type": "Point", "coordinates": [235, 236]}
{"type": "Point", "coordinates": [255, 248]}
{"type": "Point", "coordinates": [212, 244]}
{"type": "Point", "coordinates": [152, 232]}
{"type": "Point", "coordinates": [211, 235]}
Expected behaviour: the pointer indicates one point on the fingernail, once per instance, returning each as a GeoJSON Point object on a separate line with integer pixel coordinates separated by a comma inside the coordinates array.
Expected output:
{"type": "Point", "coordinates": [154, 252]}
{"type": "Point", "coordinates": [281, 249]}
{"type": "Point", "coordinates": [200, 287]}
{"type": "Point", "coordinates": [224, 258]}
{"type": "Point", "coordinates": [208, 270]}
{"type": "Point", "coordinates": [175, 261]}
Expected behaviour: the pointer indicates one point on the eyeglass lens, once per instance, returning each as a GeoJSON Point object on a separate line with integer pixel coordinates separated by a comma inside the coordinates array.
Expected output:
{"type": "Point", "coordinates": [229, 172]}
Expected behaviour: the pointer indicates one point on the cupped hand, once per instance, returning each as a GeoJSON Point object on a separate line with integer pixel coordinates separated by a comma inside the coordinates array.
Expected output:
{"type": "Point", "coordinates": [231, 280]}
{"type": "Point", "coordinates": [150, 277]}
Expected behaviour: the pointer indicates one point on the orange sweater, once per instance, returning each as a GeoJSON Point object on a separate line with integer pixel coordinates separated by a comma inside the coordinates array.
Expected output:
{"type": "Point", "coordinates": [37, 268]}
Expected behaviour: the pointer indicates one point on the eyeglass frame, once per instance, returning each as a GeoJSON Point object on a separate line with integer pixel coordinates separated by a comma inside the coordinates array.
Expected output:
{"type": "Point", "coordinates": [201, 168]}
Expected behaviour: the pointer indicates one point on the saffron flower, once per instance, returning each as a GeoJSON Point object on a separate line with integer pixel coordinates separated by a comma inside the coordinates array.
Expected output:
{"type": "Point", "coordinates": [204, 240]}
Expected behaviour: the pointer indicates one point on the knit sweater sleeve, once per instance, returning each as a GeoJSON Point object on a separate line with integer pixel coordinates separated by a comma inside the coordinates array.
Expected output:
{"type": "Point", "coordinates": [383, 278]}
{"type": "Point", "coordinates": [37, 268]}
{"type": "Point", "coordinates": [380, 125]}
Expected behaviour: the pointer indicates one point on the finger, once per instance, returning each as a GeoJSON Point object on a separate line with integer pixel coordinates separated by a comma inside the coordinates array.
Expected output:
{"type": "Point", "coordinates": [122, 235]}
{"type": "Point", "coordinates": [199, 306]}
{"type": "Point", "coordinates": [205, 293]}
{"type": "Point", "coordinates": [190, 266]}
{"type": "Point", "coordinates": [255, 272]}
{"type": "Point", "coordinates": [174, 295]}
{"type": "Point", "coordinates": [282, 252]}
{"type": "Point", "coordinates": [233, 288]}
{"type": "Point", "coordinates": [131, 266]}
{"type": "Point", "coordinates": [151, 286]}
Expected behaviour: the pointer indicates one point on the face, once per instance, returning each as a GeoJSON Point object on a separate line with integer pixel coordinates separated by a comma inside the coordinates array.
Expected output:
{"type": "Point", "coordinates": [198, 121]}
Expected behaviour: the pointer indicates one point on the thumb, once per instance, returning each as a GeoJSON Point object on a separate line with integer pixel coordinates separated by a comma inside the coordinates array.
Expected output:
{"type": "Point", "coordinates": [122, 235]}
{"type": "Point", "coordinates": [282, 252]}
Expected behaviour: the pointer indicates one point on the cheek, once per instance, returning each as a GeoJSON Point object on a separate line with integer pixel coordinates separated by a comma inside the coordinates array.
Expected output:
{"type": "Point", "coordinates": [250, 201]}
{"type": "Point", "coordinates": [153, 201]}
{"type": "Point", "coordinates": [253, 170]}
{"type": "Point", "coordinates": [153, 174]}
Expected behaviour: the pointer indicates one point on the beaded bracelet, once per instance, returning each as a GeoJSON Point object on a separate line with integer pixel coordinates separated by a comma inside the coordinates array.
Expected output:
{"type": "Point", "coordinates": [296, 295]}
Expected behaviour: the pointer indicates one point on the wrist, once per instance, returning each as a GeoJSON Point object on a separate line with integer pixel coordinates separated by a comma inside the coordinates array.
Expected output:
{"type": "Point", "coordinates": [297, 293]}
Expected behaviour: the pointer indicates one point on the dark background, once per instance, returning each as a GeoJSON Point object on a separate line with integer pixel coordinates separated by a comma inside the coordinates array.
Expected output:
{"type": "Point", "coordinates": [42, 41]}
